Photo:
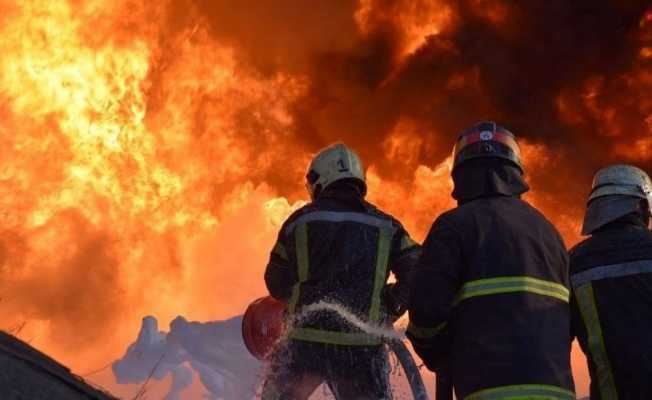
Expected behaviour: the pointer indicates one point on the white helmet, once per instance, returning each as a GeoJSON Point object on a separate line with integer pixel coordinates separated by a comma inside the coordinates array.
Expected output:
{"type": "Point", "coordinates": [616, 192]}
{"type": "Point", "coordinates": [332, 164]}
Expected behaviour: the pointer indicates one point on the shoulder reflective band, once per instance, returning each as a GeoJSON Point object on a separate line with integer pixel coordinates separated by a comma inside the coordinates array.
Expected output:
{"type": "Point", "coordinates": [303, 264]}
{"type": "Point", "coordinates": [334, 216]}
{"type": "Point", "coordinates": [332, 337]}
{"type": "Point", "coordinates": [512, 284]}
{"type": "Point", "coordinates": [612, 271]}
{"type": "Point", "coordinates": [382, 260]}
{"type": "Point", "coordinates": [538, 392]}
{"type": "Point", "coordinates": [598, 351]}
{"type": "Point", "coordinates": [425, 333]}
{"type": "Point", "coordinates": [280, 251]}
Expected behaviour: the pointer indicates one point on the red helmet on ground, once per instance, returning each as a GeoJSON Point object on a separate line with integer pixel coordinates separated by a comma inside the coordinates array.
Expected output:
{"type": "Point", "coordinates": [487, 139]}
{"type": "Point", "coordinates": [262, 326]}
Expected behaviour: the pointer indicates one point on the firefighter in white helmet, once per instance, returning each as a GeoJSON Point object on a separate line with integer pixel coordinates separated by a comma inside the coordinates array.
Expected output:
{"type": "Point", "coordinates": [338, 249]}
{"type": "Point", "coordinates": [611, 274]}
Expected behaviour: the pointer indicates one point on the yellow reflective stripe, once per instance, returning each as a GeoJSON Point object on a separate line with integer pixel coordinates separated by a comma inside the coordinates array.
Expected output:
{"type": "Point", "coordinates": [303, 264]}
{"type": "Point", "coordinates": [598, 351]}
{"type": "Point", "coordinates": [280, 251]}
{"type": "Point", "coordinates": [523, 392]}
{"type": "Point", "coordinates": [425, 333]}
{"type": "Point", "coordinates": [382, 260]}
{"type": "Point", "coordinates": [292, 304]}
{"type": "Point", "coordinates": [407, 242]}
{"type": "Point", "coordinates": [332, 337]}
{"type": "Point", "coordinates": [512, 284]}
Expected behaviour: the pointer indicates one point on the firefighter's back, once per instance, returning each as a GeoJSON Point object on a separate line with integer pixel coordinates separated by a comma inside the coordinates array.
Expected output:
{"type": "Point", "coordinates": [511, 325]}
{"type": "Point", "coordinates": [612, 279]}
{"type": "Point", "coordinates": [343, 249]}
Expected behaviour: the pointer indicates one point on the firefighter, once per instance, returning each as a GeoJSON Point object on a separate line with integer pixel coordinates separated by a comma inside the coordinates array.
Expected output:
{"type": "Point", "coordinates": [489, 303]}
{"type": "Point", "coordinates": [611, 274]}
{"type": "Point", "coordinates": [337, 250]}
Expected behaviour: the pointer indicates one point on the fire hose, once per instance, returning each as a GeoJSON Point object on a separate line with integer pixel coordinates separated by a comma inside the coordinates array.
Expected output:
{"type": "Point", "coordinates": [262, 326]}
{"type": "Point", "coordinates": [410, 368]}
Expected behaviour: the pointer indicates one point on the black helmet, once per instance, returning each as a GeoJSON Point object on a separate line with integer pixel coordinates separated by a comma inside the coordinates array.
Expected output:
{"type": "Point", "coordinates": [487, 139]}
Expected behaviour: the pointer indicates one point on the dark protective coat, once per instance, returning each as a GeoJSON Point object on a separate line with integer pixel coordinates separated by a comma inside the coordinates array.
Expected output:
{"type": "Point", "coordinates": [612, 308]}
{"type": "Point", "coordinates": [340, 250]}
{"type": "Point", "coordinates": [489, 299]}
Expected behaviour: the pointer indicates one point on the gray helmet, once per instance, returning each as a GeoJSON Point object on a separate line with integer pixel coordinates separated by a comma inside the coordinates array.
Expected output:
{"type": "Point", "coordinates": [616, 191]}
{"type": "Point", "coordinates": [332, 164]}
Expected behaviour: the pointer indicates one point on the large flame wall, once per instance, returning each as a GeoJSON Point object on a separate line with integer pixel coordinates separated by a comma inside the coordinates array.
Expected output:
{"type": "Point", "coordinates": [152, 148]}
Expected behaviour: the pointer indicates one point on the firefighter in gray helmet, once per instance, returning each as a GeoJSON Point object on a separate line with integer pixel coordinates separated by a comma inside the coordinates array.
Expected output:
{"type": "Point", "coordinates": [337, 249]}
{"type": "Point", "coordinates": [611, 275]}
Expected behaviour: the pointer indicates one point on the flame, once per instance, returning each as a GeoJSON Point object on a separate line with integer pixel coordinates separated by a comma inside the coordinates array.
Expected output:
{"type": "Point", "coordinates": [108, 178]}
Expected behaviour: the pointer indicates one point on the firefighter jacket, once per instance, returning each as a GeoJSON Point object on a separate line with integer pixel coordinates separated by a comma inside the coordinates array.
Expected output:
{"type": "Point", "coordinates": [611, 274]}
{"type": "Point", "coordinates": [489, 302]}
{"type": "Point", "coordinates": [339, 250]}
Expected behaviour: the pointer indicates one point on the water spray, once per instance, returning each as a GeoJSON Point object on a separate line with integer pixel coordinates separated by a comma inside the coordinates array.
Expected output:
{"type": "Point", "coordinates": [382, 332]}
{"type": "Point", "coordinates": [261, 329]}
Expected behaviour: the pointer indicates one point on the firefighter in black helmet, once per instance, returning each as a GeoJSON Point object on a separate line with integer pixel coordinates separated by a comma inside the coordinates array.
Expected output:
{"type": "Point", "coordinates": [611, 274]}
{"type": "Point", "coordinates": [490, 295]}
{"type": "Point", "coordinates": [337, 250]}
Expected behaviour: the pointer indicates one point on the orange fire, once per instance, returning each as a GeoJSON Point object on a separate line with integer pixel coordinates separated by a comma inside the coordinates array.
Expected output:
{"type": "Point", "coordinates": [118, 200]}
{"type": "Point", "coordinates": [151, 152]}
